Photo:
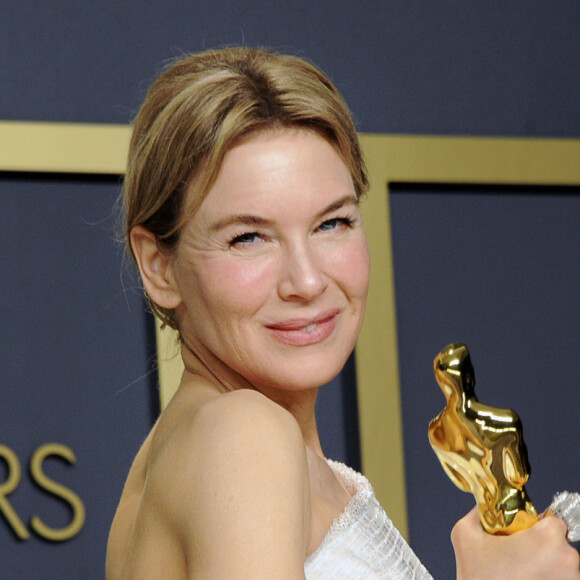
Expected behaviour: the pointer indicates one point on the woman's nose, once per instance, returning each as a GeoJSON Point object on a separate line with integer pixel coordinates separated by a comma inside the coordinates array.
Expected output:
{"type": "Point", "coordinates": [302, 277]}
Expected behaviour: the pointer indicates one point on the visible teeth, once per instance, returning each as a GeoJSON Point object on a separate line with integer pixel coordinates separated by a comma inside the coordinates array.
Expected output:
{"type": "Point", "coordinates": [309, 327]}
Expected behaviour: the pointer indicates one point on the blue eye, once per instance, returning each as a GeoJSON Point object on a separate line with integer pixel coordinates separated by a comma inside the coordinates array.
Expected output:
{"type": "Point", "coordinates": [247, 238]}
{"type": "Point", "coordinates": [335, 223]}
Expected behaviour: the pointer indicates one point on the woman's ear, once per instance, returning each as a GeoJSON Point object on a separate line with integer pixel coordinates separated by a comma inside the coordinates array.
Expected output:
{"type": "Point", "coordinates": [155, 267]}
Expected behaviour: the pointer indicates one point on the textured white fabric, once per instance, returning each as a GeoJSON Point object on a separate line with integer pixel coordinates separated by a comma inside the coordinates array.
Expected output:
{"type": "Point", "coordinates": [566, 505]}
{"type": "Point", "coordinates": [363, 543]}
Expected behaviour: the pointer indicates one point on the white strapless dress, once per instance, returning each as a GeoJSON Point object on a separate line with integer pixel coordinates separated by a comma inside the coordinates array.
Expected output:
{"type": "Point", "coordinates": [363, 543]}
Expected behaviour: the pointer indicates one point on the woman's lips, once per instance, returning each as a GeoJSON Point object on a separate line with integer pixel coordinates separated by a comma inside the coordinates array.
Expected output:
{"type": "Point", "coordinates": [305, 331]}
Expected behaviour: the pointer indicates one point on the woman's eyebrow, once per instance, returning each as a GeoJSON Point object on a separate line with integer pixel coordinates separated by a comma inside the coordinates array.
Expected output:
{"type": "Point", "coordinates": [240, 219]}
{"type": "Point", "coordinates": [348, 199]}
{"type": "Point", "coordinates": [257, 221]}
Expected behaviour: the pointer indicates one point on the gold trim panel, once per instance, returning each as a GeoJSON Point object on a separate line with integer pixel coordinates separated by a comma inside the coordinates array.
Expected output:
{"type": "Point", "coordinates": [63, 147]}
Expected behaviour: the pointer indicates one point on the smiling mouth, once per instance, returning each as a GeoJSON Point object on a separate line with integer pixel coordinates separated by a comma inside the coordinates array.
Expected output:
{"type": "Point", "coordinates": [304, 332]}
{"type": "Point", "coordinates": [305, 324]}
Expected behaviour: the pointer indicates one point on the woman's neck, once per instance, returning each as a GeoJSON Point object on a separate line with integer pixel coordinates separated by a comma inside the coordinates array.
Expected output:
{"type": "Point", "coordinates": [300, 404]}
{"type": "Point", "coordinates": [208, 366]}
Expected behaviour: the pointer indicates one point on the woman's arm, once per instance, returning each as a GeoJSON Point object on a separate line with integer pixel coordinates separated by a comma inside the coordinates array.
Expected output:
{"type": "Point", "coordinates": [540, 552]}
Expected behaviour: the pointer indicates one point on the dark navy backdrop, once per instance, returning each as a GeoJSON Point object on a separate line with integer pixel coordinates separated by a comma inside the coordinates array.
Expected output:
{"type": "Point", "coordinates": [498, 269]}
{"type": "Point", "coordinates": [404, 67]}
{"type": "Point", "coordinates": [75, 356]}
{"type": "Point", "coordinates": [424, 67]}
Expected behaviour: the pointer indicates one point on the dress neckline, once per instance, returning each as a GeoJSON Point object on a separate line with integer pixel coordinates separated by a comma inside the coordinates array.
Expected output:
{"type": "Point", "coordinates": [362, 494]}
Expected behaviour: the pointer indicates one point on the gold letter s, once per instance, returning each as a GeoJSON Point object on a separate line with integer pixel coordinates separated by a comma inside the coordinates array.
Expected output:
{"type": "Point", "coordinates": [56, 535]}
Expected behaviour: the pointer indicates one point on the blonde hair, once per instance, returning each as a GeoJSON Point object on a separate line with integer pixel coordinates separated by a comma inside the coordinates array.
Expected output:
{"type": "Point", "coordinates": [201, 107]}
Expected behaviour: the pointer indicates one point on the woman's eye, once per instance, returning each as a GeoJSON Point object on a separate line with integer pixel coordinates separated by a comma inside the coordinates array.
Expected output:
{"type": "Point", "coordinates": [244, 239]}
{"type": "Point", "coordinates": [335, 223]}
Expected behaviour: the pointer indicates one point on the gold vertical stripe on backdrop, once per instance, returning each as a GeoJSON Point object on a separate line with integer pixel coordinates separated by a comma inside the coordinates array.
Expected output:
{"type": "Point", "coordinates": [169, 361]}
{"type": "Point", "coordinates": [101, 149]}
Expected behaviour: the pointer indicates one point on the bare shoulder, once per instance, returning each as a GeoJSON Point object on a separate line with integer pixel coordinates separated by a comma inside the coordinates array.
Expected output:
{"type": "Point", "coordinates": [233, 473]}
{"type": "Point", "coordinates": [230, 440]}
{"type": "Point", "coordinates": [233, 424]}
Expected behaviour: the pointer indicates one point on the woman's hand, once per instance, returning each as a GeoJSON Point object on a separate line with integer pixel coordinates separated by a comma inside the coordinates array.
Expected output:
{"type": "Point", "coordinates": [540, 552]}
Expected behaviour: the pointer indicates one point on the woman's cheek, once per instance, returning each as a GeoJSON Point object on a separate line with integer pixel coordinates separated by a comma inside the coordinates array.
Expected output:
{"type": "Point", "coordinates": [353, 263]}
{"type": "Point", "coordinates": [238, 283]}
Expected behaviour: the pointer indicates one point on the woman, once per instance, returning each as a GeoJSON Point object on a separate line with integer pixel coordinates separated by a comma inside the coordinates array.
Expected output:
{"type": "Point", "coordinates": [241, 196]}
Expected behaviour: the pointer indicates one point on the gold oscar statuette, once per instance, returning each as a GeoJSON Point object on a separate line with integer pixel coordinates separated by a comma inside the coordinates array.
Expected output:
{"type": "Point", "coordinates": [480, 447]}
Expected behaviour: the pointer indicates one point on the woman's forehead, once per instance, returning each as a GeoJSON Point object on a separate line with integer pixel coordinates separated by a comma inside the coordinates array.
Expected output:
{"type": "Point", "coordinates": [290, 164]}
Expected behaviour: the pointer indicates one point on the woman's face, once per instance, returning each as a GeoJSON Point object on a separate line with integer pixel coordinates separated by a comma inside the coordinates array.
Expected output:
{"type": "Point", "coordinates": [272, 270]}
